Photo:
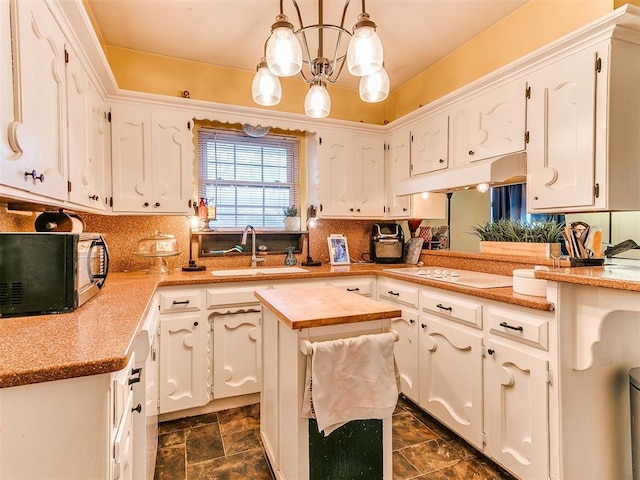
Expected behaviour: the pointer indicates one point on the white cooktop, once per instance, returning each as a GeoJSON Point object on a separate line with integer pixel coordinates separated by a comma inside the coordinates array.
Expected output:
{"type": "Point", "coordinates": [460, 277]}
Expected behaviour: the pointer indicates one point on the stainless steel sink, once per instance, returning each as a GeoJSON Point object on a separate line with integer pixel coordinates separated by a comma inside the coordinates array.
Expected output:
{"type": "Point", "coordinates": [257, 271]}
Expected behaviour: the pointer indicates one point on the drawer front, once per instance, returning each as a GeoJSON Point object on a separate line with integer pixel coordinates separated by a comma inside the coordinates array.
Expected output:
{"type": "Point", "coordinates": [399, 292]}
{"type": "Point", "coordinates": [362, 286]}
{"type": "Point", "coordinates": [457, 309]}
{"type": "Point", "coordinates": [224, 296]}
{"type": "Point", "coordinates": [180, 301]}
{"type": "Point", "coordinates": [522, 327]}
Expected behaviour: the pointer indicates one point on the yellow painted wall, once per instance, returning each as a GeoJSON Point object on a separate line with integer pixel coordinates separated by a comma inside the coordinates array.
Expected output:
{"type": "Point", "coordinates": [532, 26]}
{"type": "Point", "coordinates": [145, 72]}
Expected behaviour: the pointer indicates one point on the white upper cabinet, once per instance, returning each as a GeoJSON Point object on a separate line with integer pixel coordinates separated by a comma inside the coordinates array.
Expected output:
{"type": "Point", "coordinates": [152, 160]}
{"type": "Point", "coordinates": [351, 175]}
{"type": "Point", "coordinates": [6, 86]}
{"type": "Point", "coordinates": [88, 132]}
{"type": "Point", "coordinates": [495, 122]}
{"type": "Point", "coordinates": [38, 160]}
{"type": "Point", "coordinates": [397, 164]}
{"type": "Point", "coordinates": [583, 112]}
{"type": "Point", "coordinates": [430, 144]}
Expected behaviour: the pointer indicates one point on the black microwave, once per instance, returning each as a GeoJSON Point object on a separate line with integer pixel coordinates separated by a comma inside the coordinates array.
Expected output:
{"type": "Point", "coordinates": [50, 272]}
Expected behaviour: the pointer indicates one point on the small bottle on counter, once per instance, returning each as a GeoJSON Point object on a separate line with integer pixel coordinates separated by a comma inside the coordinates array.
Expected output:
{"type": "Point", "coordinates": [202, 209]}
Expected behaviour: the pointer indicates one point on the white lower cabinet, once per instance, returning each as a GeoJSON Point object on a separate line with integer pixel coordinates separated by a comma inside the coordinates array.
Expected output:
{"type": "Point", "coordinates": [405, 295]}
{"type": "Point", "coordinates": [451, 375]}
{"type": "Point", "coordinates": [480, 367]}
{"type": "Point", "coordinates": [184, 364]}
{"type": "Point", "coordinates": [516, 409]}
{"type": "Point", "coordinates": [236, 352]}
{"type": "Point", "coordinates": [76, 429]}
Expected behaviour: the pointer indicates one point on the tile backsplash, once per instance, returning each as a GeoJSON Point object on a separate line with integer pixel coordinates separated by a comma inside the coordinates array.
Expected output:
{"type": "Point", "coordinates": [122, 233]}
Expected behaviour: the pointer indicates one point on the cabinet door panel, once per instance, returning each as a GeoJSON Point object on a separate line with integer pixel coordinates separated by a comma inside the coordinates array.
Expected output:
{"type": "Point", "coordinates": [561, 152]}
{"type": "Point", "coordinates": [82, 174]}
{"type": "Point", "coordinates": [516, 399]}
{"type": "Point", "coordinates": [40, 133]}
{"type": "Point", "coordinates": [451, 376]}
{"type": "Point", "coordinates": [172, 162]}
{"type": "Point", "coordinates": [183, 362]}
{"type": "Point", "coordinates": [397, 168]}
{"type": "Point", "coordinates": [7, 86]}
{"type": "Point", "coordinates": [334, 171]}
{"type": "Point", "coordinates": [497, 121]}
{"type": "Point", "coordinates": [131, 159]}
{"type": "Point", "coordinates": [406, 352]}
{"type": "Point", "coordinates": [236, 354]}
{"type": "Point", "coordinates": [430, 145]}
{"type": "Point", "coordinates": [368, 175]}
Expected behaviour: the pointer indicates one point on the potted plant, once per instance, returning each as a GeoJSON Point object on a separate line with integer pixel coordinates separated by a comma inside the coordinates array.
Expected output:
{"type": "Point", "coordinates": [291, 218]}
{"type": "Point", "coordinates": [516, 237]}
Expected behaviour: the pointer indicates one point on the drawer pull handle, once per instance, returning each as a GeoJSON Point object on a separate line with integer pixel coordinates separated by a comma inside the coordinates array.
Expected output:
{"type": "Point", "coordinates": [395, 294]}
{"type": "Point", "coordinates": [353, 289]}
{"type": "Point", "coordinates": [506, 325]}
{"type": "Point", "coordinates": [137, 409]}
{"type": "Point", "coordinates": [442, 307]}
{"type": "Point", "coordinates": [491, 351]}
{"type": "Point", "coordinates": [183, 302]}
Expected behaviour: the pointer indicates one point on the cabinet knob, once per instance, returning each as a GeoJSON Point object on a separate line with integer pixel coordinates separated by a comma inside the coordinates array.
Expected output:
{"type": "Point", "coordinates": [351, 209]}
{"type": "Point", "coordinates": [491, 351]}
{"type": "Point", "coordinates": [34, 175]}
{"type": "Point", "coordinates": [94, 197]}
{"type": "Point", "coordinates": [405, 209]}
{"type": "Point", "coordinates": [472, 153]}
{"type": "Point", "coordinates": [195, 324]}
{"type": "Point", "coordinates": [157, 204]}
{"type": "Point", "coordinates": [357, 209]}
{"type": "Point", "coordinates": [423, 325]}
{"type": "Point", "coordinates": [145, 204]}
{"type": "Point", "coordinates": [137, 409]}
{"type": "Point", "coordinates": [441, 160]}
{"type": "Point", "coordinates": [535, 198]}
{"type": "Point", "coordinates": [412, 321]}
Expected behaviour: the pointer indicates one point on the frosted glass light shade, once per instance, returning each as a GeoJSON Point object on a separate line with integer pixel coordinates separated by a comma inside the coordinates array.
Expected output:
{"type": "Point", "coordinates": [374, 87]}
{"type": "Point", "coordinates": [317, 103]}
{"type": "Point", "coordinates": [266, 88]}
{"type": "Point", "coordinates": [284, 54]}
{"type": "Point", "coordinates": [365, 53]}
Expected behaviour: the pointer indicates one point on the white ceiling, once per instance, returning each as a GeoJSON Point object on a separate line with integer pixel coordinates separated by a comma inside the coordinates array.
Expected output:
{"type": "Point", "coordinates": [231, 33]}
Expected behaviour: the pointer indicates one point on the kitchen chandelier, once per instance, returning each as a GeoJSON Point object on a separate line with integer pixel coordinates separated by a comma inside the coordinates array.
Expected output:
{"type": "Point", "coordinates": [287, 53]}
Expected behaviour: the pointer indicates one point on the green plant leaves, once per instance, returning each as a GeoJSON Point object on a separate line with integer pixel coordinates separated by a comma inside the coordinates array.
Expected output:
{"type": "Point", "coordinates": [506, 230]}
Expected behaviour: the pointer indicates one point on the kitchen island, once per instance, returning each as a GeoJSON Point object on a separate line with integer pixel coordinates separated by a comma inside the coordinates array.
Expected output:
{"type": "Point", "coordinates": [292, 318]}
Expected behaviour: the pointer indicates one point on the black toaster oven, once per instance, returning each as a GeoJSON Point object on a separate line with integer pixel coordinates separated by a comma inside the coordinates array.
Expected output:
{"type": "Point", "coordinates": [50, 272]}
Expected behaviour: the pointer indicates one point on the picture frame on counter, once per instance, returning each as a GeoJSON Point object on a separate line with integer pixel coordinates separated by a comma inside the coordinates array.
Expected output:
{"type": "Point", "coordinates": [338, 249]}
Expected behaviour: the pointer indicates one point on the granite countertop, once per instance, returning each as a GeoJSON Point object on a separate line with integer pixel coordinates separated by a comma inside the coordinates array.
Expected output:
{"type": "Point", "coordinates": [99, 337]}
{"type": "Point", "coordinates": [323, 306]}
{"type": "Point", "coordinates": [620, 277]}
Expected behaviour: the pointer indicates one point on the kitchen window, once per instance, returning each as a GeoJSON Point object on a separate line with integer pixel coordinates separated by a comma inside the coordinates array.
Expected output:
{"type": "Point", "coordinates": [249, 180]}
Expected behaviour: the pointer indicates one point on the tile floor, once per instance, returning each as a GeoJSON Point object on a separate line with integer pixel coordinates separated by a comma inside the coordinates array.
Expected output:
{"type": "Point", "coordinates": [226, 446]}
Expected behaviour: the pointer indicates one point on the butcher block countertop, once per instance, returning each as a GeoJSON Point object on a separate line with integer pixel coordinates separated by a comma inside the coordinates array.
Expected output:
{"type": "Point", "coordinates": [307, 307]}
{"type": "Point", "coordinates": [99, 337]}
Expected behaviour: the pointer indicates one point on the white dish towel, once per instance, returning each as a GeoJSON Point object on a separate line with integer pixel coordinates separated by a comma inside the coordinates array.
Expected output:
{"type": "Point", "coordinates": [351, 379]}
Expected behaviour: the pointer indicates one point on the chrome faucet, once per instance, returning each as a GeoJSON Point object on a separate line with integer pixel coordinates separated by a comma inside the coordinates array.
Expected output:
{"type": "Point", "coordinates": [254, 259]}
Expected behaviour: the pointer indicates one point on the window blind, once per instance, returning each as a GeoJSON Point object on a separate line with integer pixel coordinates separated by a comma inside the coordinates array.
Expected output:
{"type": "Point", "coordinates": [249, 180]}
